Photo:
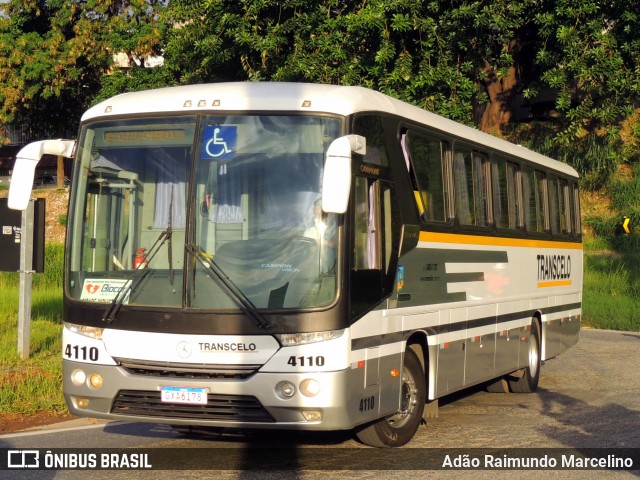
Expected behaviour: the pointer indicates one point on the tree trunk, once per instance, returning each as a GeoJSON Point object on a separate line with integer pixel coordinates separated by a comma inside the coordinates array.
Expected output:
{"type": "Point", "coordinates": [501, 92]}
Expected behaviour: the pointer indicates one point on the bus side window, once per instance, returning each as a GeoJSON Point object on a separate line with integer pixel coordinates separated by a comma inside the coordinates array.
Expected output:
{"type": "Point", "coordinates": [555, 204]}
{"type": "Point", "coordinates": [505, 193]}
{"type": "Point", "coordinates": [565, 207]}
{"type": "Point", "coordinates": [574, 199]}
{"type": "Point", "coordinates": [534, 204]}
{"type": "Point", "coordinates": [470, 181]}
{"type": "Point", "coordinates": [367, 225]}
{"type": "Point", "coordinates": [424, 156]}
{"type": "Point", "coordinates": [543, 200]}
{"type": "Point", "coordinates": [371, 127]}
{"type": "Point", "coordinates": [373, 224]}
{"type": "Point", "coordinates": [564, 195]}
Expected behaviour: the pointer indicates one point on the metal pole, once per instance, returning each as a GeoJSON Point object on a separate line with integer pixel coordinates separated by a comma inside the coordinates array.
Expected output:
{"type": "Point", "coordinates": [26, 278]}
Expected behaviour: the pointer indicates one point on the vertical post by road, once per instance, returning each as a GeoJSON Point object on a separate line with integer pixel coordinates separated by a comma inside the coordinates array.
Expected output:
{"type": "Point", "coordinates": [26, 278]}
{"type": "Point", "coordinates": [60, 172]}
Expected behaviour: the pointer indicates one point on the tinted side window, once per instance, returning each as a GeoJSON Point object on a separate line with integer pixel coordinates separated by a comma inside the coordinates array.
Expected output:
{"type": "Point", "coordinates": [370, 127]}
{"type": "Point", "coordinates": [574, 199]}
{"type": "Point", "coordinates": [534, 204]}
{"type": "Point", "coordinates": [424, 155]}
{"type": "Point", "coordinates": [505, 193]}
{"type": "Point", "coordinates": [469, 174]}
{"type": "Point", "coordinates": [565, 207]}
{"type": "Point", "coordinates": [367, 225]}
{"type": "Point", "coordinates": [556, 199]}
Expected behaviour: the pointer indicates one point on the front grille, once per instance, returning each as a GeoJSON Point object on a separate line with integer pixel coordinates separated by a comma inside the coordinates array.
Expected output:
{"type": "Point", "coordinates": [233, 408]}
{"type": "Point", "coordinates": [187, 370]}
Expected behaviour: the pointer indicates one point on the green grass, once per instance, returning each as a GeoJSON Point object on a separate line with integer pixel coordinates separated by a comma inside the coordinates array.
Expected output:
{"type": "Point", "coordinates": [35, 384]}
{"type": "Point", "coordinates": [611, 291]}
{"type": "Point", "coordinates": [612, 259]}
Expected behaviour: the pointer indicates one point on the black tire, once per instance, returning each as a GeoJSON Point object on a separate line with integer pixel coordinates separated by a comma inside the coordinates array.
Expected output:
{"type": "Point", "coordinates": [528, 383]}
{"type": "Point", "coordinates": [397, 429]}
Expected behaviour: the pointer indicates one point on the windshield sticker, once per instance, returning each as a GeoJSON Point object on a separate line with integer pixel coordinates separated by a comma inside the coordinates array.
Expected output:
{"type": "Point", "coordinates": [219, 142]}
{"type": "Point", "coordinates": [103, 290]}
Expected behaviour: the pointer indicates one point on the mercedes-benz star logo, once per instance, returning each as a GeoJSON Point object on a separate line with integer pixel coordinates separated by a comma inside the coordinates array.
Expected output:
{"type": "Point", "coordinates": [183, 349]}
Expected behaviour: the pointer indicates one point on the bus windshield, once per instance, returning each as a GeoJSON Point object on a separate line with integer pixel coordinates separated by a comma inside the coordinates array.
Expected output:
{"type": "Point", "coordinates": [209, 212]}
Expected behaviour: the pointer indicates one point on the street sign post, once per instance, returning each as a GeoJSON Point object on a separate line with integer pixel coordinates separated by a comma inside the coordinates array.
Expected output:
{"type": "Point", "coordinates": [22, 244]}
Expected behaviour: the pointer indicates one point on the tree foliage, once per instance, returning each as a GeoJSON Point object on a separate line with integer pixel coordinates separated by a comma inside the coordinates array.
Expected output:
{"type": "Point", "coordinates": [559, 75]}
{"type": "Point", "coordinates": [429, 53]}
{"type": "Point", "coordinates": [55, 55]}
{"type": "Point", "coordinates": [588, 54]}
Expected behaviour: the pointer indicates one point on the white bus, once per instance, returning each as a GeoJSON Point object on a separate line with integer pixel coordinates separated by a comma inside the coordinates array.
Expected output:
{"type": "Point", "coordinates": [295, 256]}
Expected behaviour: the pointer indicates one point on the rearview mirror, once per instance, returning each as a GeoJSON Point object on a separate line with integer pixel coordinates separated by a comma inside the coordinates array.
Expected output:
{"type": "Point", "coordinates": [25, 167]}
{"type": "Point", "coordinates": [336, 180]}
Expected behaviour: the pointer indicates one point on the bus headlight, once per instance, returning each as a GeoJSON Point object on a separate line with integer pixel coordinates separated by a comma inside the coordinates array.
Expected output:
{"type": "Point", "coordinates": [293, 339]}
{"type": "Point", "coordinates": [310, 387]}
{"type": "Point", "coordinates": [85, 331]}
{"type": "Point", "coordinates": [78, 377]}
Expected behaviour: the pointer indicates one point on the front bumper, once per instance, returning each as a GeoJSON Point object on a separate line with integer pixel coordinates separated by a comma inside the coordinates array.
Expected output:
{"type": "Point", "coordinates": [254, 402]}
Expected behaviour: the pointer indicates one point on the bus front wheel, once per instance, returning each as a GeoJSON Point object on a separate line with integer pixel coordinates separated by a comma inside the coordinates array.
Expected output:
{"type": "Point", "coordinates": [397, 429]}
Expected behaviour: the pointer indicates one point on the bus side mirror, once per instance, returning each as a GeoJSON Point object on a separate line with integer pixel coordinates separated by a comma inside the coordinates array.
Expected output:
{"type": "Point", "coordinates": [336, 180]}
{"type": "Point", "coordinates": [25, 167]}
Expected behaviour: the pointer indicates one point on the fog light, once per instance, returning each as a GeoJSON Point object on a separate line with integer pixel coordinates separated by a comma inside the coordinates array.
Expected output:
{"type": "Point", "coordinates": [312, 415]}
{"type": "Point", "coordinates": [287, 389]}
{"type": "Point", "coordinates": [82, 402]}
{"type": "Point", "coordinates": [95, 380]}
{"type": "Point", "coordinates": [78, 377]}
{"type": "Point", "coordinates": [310, 387]}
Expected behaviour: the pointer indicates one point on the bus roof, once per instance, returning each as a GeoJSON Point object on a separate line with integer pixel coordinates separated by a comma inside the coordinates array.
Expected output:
{"type": "Point", "coordinates": [302, 97]}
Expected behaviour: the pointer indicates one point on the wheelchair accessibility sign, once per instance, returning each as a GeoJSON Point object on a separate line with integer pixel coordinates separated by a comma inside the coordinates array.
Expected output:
{"type": "Point", "coordinates": [219, 142]}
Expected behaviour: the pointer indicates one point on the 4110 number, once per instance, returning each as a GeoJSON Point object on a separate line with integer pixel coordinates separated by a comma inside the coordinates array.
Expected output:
{"type": "Point", "coordinates": [317, 361]}
{"type": "Point", "coordinates": [81, 353]}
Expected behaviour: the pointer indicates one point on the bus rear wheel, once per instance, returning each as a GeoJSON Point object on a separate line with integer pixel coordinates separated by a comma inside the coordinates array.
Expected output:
{"type": "Point", "coordinates": [397, 429]}
{"type": "Point", "coordinates": [528, 383]}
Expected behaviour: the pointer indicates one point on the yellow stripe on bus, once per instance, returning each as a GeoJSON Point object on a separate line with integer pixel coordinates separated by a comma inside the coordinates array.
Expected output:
{"type": "Point", "coordinates": [433, 237]}
{"type": "Point", "coordinates": [560, 283]}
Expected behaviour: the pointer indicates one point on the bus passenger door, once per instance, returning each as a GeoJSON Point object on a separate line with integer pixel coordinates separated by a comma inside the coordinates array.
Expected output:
{"type": "Point", "coordinates": [372, 278]}
{"type": "Point", "coordinates": [366, 271]}
{"type": "Point", "coordinates": [376, 241]}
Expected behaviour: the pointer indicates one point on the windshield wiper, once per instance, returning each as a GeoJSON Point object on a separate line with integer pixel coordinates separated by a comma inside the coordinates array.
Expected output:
{"type": "Point", "coordinates": [227, 285]}
{"type": "Point", "coordinates": [139, 273]}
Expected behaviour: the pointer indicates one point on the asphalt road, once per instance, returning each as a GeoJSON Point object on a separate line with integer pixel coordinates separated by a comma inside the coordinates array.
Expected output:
{"type": "Point", "coordinates": [589, 397]}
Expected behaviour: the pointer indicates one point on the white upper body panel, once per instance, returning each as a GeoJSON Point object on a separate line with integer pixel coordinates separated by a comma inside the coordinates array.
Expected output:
{"type": "Point", "coordinates": [302, 97]}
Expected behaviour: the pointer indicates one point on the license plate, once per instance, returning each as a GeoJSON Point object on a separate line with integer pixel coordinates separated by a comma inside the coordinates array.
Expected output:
{"type": "Point", "coordinates": [193, 396]}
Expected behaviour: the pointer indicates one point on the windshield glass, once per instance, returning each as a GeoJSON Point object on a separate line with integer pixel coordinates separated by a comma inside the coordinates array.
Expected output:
{"type": "Point", "coordinates": [250, 184]}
